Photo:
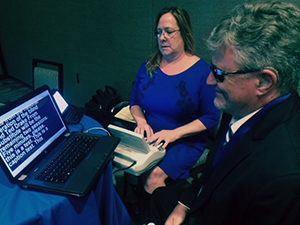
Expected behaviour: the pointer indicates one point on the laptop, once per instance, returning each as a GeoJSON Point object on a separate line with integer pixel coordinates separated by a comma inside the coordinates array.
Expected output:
{"type": "Point", "coordinates": [134, 154]}
{"type": "Point", "coordinates": [71, 114]}
{"type": "Point", "coordinates": [33, 134]}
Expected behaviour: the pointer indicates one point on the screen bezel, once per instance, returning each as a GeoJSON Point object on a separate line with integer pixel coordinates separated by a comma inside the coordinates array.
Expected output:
{"type": "Point", "coordinates": [44, 149]}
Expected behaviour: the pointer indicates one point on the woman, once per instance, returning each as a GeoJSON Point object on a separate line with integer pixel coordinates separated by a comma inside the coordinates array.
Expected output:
{"type": "Point", "coordinates": [171, 102]}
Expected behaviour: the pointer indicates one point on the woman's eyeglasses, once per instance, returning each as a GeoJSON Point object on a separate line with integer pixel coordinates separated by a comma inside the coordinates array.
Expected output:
{"type": "Point", "coordinates": [166, 32]}
{"type": "Point", "coordinates": [220, 75]}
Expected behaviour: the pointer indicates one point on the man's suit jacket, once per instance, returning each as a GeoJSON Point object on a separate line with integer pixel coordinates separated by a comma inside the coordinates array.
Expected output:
{"type": "Point", "coordinates": [258, 182]}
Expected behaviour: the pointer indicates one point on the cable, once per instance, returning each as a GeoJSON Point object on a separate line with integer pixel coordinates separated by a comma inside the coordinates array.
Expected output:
{"type": "Point", "coordinates": [82, 127]}
{"type": "Point", "coordinates": [98, 128]}
{"type": "Point", "coordinates": [133, 163]}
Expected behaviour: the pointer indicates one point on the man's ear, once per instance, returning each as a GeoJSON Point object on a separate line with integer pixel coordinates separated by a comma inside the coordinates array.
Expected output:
{"type": "Point", "coordinates": [267, 80]}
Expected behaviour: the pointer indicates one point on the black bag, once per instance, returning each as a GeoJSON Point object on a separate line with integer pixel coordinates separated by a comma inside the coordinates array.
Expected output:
{"type": "Point", "coordinates": [101, 105]}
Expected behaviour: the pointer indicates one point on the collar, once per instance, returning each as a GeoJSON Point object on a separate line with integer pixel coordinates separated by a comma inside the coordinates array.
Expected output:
{"type": "Point", "coordinates": [236, 124]}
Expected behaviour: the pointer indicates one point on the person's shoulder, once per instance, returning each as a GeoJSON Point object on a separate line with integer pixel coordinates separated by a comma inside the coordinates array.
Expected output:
{"type": "Point", "coordinates": [202, 62]}
{"type": "Point", "coordinates": [142, 67]}
{"type": "Point", "coordinates": [194, 58]}
{"type": "Point", "coordinates": [201, 67]}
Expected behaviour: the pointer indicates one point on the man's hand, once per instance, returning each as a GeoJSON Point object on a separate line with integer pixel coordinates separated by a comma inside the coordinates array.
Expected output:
{"type": "Point", "coordinates": [177, 216]}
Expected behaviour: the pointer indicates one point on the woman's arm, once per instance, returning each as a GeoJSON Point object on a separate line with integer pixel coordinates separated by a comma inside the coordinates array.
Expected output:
{"type": "Point", "coordinates": [168, 136]}
{"type": "Point", "coordinates": [191, 128]}
{"type": "Point", "coordinates": [142, 125]}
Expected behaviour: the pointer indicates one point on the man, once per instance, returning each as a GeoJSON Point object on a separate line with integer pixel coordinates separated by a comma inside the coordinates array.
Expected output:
{"type": "Point", "coordinates": [252, 172]}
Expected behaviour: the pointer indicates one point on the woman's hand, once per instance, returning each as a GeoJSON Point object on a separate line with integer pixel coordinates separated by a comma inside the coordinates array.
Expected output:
{"type": "Point", "coordinates": [168, 136]}
{"type": "Point", "coordinates": [164, 136]}
{"type": "Point", "coordinates": [144, 128]}
{"type": "Point", "coordinates": [142, 125]}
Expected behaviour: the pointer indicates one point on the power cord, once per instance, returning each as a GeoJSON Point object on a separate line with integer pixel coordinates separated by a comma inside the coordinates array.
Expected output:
{"type": "Point", "coordinates": [82, 127]}
{"type": "Point", "coordinates": [132, 164]}
{"type": "Point", "coordinates": [98, 128]}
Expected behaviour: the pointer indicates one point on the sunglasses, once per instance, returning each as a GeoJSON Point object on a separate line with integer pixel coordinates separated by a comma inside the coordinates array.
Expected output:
{"type": "Point", "coordinates": [220, 75]}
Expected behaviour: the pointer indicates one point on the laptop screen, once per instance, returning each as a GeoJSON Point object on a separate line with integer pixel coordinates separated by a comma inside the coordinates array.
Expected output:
{"type": "Point", "coordinates": [27, 130]}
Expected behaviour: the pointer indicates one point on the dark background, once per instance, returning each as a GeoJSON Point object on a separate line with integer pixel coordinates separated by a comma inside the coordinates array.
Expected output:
{"type": "Point", "coordinates": [104, 41]}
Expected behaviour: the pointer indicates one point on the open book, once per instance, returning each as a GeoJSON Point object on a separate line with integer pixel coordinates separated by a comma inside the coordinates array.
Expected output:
{"type": "Point", "coordinates": [124, 114]}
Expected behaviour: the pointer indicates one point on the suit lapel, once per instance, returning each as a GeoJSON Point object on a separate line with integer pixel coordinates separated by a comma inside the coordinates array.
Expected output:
{"type": "Point", "coordinates": [239, 152]}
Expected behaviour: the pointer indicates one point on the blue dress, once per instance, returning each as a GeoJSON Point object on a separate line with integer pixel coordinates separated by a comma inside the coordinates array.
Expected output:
{"type": "Point", "coordinates": [173, 101]}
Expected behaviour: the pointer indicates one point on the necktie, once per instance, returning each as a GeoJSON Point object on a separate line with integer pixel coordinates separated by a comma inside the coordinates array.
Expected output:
{"type": "Point", "coordinates": [220, 153]}
{"type": "Point", "coordinates": [228, 135]}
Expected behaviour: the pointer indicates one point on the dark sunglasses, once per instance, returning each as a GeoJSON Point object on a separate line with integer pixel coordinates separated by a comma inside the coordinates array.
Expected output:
{"type": "Point", "coordinates": [220, 75]}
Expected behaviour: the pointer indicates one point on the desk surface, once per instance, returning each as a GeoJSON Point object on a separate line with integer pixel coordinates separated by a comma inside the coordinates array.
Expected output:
{"type": "Point", "coordinates": [101, 206]}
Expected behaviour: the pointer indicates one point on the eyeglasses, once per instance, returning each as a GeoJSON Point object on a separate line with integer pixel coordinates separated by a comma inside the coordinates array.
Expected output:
{"type": "Point", "coordinates": [166, 32]}
{"type": "Point", "coordinates": [220, 75]}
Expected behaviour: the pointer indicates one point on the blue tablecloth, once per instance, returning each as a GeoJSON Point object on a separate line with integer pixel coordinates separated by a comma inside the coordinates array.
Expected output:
{"type": "Point", "coordinates": [101, 206]}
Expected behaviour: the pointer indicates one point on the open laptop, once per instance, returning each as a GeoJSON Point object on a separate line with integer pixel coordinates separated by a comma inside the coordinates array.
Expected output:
{"type": "Point", "coordinates": [33, 133]}
{"type": "Point", "coordinates": [71, 114]}
{"type": "Point", "coordinates": [133, 154]}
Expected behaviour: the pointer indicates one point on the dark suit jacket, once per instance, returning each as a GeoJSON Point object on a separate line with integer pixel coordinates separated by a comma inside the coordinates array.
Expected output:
{"type": "Point", "coordinates": [258, 182]}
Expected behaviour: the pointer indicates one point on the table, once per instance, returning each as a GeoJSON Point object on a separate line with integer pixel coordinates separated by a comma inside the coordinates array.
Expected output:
{"type": "Point", "coordinates": [101, 206]}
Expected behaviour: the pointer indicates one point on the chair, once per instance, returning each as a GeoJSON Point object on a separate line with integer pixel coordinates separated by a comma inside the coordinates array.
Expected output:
{"type": "Point", "coordinates": [49, 73]}
{"type": "Point", "coordinates": [3, 65]}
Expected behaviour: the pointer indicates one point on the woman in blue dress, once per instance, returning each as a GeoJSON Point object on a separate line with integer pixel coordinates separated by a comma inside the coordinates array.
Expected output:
{"type": "Point", "coordinates": [171, 101]}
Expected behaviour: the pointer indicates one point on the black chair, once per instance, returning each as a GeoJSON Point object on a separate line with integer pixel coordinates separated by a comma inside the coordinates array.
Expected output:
{"type": "Point", "coordinates": [3, 65]}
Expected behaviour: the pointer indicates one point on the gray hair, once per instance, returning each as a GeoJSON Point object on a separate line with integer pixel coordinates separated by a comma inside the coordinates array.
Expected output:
{"type": "Point", "coordinates": [262, 35]}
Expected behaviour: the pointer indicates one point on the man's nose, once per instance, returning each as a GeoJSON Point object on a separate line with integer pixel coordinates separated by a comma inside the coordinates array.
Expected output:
{"type": "Point", "coordinates": [211, 79]}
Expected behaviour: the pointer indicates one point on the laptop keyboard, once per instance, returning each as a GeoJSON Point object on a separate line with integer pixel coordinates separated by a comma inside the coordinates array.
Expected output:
{"type": "Point", "coordinates": [61, 168]}
{"type": "Point", "coordinates": [74, 115]}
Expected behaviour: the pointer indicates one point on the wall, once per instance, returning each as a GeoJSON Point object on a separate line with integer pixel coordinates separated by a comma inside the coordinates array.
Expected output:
{"type": "Point", "coordinates": [103, 41]}
{"type": "Point", "coordinates": [96, 39]}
